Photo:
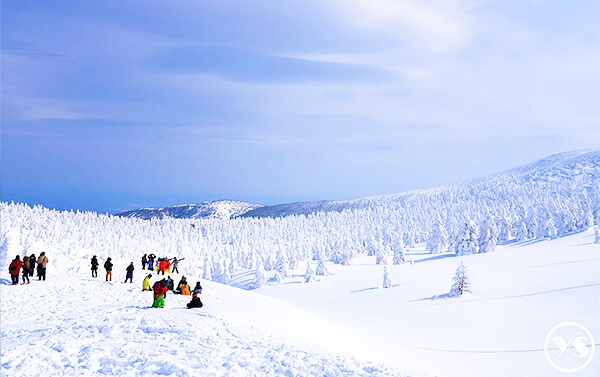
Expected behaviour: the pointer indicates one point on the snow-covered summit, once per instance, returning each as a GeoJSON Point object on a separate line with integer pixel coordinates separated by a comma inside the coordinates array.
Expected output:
{"type": "Point", "coordinates": [220, 209]}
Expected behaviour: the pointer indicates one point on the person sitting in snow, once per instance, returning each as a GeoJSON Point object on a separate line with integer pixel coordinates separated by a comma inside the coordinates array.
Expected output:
{"type": "Point", "coordinates": [146, 283]}
{"type": "Point", "coordinates": [95, 265]}
{"type": "Point", "coordinates": [195, 303]}
{"type": "Point", "coordinates": [197, 289]}
{"type": "Point", "coordinates": [182, 284]}
{"type": "Point", "coordinates": [160, 292]}
{"type": "Point", "coordinates": [129, 275]}
{"type": "Point", "coordinates": [15, 269]}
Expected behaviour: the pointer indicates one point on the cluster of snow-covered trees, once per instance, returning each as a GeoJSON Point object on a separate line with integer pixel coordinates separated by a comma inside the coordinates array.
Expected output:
{"type": "Point", "coordinates": [461, 219]}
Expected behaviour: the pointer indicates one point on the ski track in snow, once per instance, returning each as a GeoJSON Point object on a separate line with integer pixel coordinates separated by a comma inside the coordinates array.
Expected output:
{"type": "Point", "coordinates": [68, 326]}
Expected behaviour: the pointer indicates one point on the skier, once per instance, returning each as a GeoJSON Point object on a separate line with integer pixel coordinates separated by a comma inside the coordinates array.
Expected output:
{"type": "Point", "coordinates": [26, 268]}
{"type": "Point", "coordinates": [195, 303]}
{"type": "Point", "coordinates": [160, 292]}
{"type": "Point", "coordinates": [144, 261]}
{"type": "Point", "coordinates": [42, 263]}
{"type": "Point", "coordinates": [108, 267]}
{"type": "Point", "coordinates": [95, 265]}
{"type": "Point", "coordinates": [129, 275]}
{"type": "Point", "coordinates": [146, 283]}
{"type": "Point", "coordinates": [32, 260]}
{"type": "Point", "coordinates": [15, 269]}
{"type": "Point", "coordinates": [151, 258]}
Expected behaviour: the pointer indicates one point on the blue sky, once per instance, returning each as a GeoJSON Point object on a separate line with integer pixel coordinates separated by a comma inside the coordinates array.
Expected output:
{"type": "Point", "coordinates": [113, 105]}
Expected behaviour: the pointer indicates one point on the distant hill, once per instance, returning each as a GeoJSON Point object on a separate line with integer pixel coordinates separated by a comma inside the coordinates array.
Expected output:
{"type": "Point", "coordinates": [220, 209]}
{"type": "Point", "coordinates": [568, 165]}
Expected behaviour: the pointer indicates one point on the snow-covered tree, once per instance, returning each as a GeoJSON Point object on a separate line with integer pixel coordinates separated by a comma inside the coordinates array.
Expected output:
{"type": "Point", "coordinates": [597, 229]}
{"type": "Point", "coordinates": [461, 283]}
{"type": "Point", "coordinates": [438, 238]}
{"type": "Point", "coordinates": [521, 232]}
{"type": "Point", "coordinates": [310, 273]}
{"type": "Point", "coordinates": [466, 240]}
{"type": "Point", "coordinates": [489, 236]}
{"type": "Point", "coordinates": [260, 278]}
{"type": "Point", "coordinates": [399, 257]}
{"type": "Point", "coordinates": [387, 279]}
{"type": "Point", "coordinates": [322, 267]}
{"type": "Point", "coordinates": [381, 257]}
{"type": "Point", "coordinates": [281, 264]}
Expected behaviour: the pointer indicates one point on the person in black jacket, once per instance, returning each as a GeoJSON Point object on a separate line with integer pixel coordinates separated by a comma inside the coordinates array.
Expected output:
{"type": "Point", "coordinates": [95, 265]}
{"type": "Point", "coordinates": [32, 261]}
{"type": "Point", "coordinates": [195, 303]}
{"type": "Point", "coordinates": [144, 261]}
{"type": "Point", "coordinates": [129, 275]}
{"type": "Point", "coordinates": [108, 267]}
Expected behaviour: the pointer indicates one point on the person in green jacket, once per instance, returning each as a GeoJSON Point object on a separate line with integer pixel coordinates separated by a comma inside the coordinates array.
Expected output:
{"type": "Point", "coordinates": [146, 283]}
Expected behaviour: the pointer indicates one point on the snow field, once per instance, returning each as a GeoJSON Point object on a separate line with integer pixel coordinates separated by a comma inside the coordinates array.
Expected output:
{"type": "Point", "coordinates": [75, 326]}
{"type": "Point", "coordinates": [519, 293]}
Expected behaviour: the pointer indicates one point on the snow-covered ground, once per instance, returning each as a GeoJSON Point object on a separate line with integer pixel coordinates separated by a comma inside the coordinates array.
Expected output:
{"type": "Point", "coordinates": [344, 324]}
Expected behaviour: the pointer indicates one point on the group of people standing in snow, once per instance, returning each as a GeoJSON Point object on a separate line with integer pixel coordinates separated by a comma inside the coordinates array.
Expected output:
{"type": "Point", "coordinates": [161, 265]}
{"type": "Point", "coordinates": [28, 266]}
{"type": "Point", "coordinates": [108, 266]}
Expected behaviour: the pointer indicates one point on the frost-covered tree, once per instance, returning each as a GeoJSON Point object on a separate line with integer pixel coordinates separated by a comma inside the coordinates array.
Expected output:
{"type": "Point", "coordinates": [381, 256]}
{"type": "Point", "coordinates": [399, 257]}
{"type": "Point", "coordinates": [281, 264]}
{"type": "Point", "coordinates": [310, 273]}
{"type": "Point", "coordinates": [207, 273]}
{"type": "Point", "coordinates": [461, 283]}
{"type": "Point", "coordinates": [521, 232]}
{"type": "Point", "coordinates": [387, 279]}
{"type": "Point", "coordinates": [489, 236]}
{"type": "Point", "coordinates": [504, 230]}
{"type": "Point", "coordinates": [346, 257]}
{"type": "Point", "coordinates": [438, 238]}
{"type": "Point", "coordinates": [466, 240]}
{"type": "Point", "coordinates": [260, 279]}
{"type": "Point", "coordinates": [586, 222]}
{"type": "Point", "coordinates": [322, 267]}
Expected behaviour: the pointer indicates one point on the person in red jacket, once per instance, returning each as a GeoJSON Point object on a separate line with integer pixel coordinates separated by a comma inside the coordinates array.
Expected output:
{"type": "Point", "coordinates": [160, 292]}
{"type": "Point", "coordinates": [15, 270]}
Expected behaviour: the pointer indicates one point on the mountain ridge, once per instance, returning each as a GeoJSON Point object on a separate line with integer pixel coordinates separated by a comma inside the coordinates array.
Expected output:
{"type": "Point", "coordinates": [565, 165]}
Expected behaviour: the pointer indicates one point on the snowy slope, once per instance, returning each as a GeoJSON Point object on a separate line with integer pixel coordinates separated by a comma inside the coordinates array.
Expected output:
{"type": "Point", "coordinates": [519, 293]}
{"type": "Point", "coordinates": [219, 209]}
{"type": "Point", "coordinates": [74, 325]}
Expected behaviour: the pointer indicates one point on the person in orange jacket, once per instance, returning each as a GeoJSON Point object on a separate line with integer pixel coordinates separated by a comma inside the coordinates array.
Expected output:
{"type": "Point", "coordinates": [15, 269]}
